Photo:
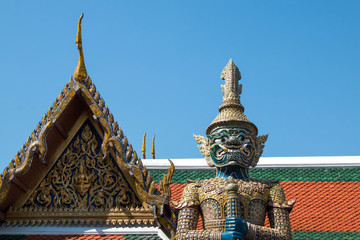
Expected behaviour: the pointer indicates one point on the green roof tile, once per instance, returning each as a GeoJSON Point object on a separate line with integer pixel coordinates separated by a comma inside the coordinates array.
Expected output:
{"type": "Point", "coordinates": [305, 235]}
{"type": "Point", "coordinates": [282, 174]}
{"type": "Point", "coordinates": [142, 237]}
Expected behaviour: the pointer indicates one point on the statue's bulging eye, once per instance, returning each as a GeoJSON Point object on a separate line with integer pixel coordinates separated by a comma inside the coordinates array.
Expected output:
{"type": "Point", "coordinates": [242, 138]}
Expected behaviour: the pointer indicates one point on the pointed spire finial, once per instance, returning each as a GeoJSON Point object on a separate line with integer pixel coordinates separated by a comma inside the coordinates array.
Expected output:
{"type": "Point", "coordinates": [143, 149]}
{"type": "Point", "coordinates": [231, 89]}
{"type": "Point", "coordinates": [80, 73]}
{"type": "Point", "coordinates": [231, 112]}
{"type": "Point", "coordinates": [153, 147]}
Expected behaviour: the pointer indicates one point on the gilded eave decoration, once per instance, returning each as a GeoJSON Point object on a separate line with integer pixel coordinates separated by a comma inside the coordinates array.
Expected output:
{"type": "Point", "coordinates": [140, 216]}
{"type": "Point", "coordinates": [114, 145]}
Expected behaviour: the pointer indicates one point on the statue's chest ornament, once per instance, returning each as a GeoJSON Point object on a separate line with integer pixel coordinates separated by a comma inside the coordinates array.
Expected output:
{"type": "Point", "coordinates": [210, 186]}
{"type": "Point", "coordinates": [247, 190]}
{"type": "Point", "coordinates": [251, 188]}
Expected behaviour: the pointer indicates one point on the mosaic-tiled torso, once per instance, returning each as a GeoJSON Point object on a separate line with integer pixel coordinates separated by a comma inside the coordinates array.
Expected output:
{"type": "Point", "coordinates": [254, 197]}
{"type": "Point", "coordinates": [209, 197]}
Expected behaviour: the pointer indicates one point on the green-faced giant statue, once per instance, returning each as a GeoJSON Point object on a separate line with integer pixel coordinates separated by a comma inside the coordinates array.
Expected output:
{"type": "Point", "coordinates": [232, 205]}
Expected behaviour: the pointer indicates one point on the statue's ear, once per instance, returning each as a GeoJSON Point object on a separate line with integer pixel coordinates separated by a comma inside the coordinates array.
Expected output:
{"type": "Point", "coordinates": [204, 146]}
{"type": "Point", "coordinates": [259, 148]}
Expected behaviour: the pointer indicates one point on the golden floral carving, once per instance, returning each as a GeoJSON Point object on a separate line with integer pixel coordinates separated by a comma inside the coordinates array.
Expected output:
{"type": "Point", "coordinates": [83, 178]}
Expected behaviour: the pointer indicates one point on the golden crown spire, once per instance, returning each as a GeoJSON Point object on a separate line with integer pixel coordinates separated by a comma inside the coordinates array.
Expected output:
{"type": "Point", "coordinates": [80, 73]}
{"type": "Point", "coordinates": [231, 89]}
{"type": "Point", "coordinates": [231, 112]}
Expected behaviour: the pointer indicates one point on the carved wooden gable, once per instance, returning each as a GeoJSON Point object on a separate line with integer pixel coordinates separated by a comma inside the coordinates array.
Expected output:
{"type": "Point", "coordinates": [83, 179]}
{"type": "Point", "coordinates": [77, 167]}
{"type": "Point", "coordinates": [82, 186]}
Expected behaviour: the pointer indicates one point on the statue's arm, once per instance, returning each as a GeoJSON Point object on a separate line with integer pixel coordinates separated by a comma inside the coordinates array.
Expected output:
{"type": "Point", "coordinates": [189, 215]}
{"type": "Point", "coordinates": [187, 222]}
{"type": "Point", "coordinates": [279, 219]}
{"type": "Point", "coordinates": [280, 227]}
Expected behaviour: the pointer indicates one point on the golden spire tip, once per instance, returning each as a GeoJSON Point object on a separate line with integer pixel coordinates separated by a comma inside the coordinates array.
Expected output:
{"type": "Point", "coordinates": [80, 73]}
{"type": "Point", "coordinates": [143, 149]}
{"type": "Point", "coordinates": [153, 147]}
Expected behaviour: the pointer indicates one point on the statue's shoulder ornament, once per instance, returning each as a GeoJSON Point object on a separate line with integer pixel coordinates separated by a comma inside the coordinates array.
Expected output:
{"type": "Point", "coordinates": [255, 185]}
{"type": "Point", "coordinates": [260, 185]}
{"type": "Point", "coordinates": [190, 196]}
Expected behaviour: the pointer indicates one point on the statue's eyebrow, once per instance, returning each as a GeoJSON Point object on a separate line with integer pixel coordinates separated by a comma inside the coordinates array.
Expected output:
{"type": "Point", "coordinates": [244, 131]}
{"type": "Point", "coordinates": [222, 131]}
{"type": "Point", "coordinates": [218, 134]}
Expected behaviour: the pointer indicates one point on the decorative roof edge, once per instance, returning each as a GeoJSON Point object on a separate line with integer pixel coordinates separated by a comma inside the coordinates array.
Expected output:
{"type": "Point", "coordinates": [77, 230]}
{"type": "Point", "coordinates": [114, 216]}
{"type": "Point", "coordinates": [264, 162]}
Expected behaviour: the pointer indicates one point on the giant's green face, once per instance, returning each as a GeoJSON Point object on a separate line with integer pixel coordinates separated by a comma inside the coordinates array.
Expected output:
{"type": "Point", "coordinates": [232, 146]}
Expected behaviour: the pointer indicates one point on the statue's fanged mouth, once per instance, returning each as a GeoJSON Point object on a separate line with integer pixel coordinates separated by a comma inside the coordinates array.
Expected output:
{"type": "Point", "coordinates": [232, 149]}
{"type": "Point", "coordinates": [245, 150]}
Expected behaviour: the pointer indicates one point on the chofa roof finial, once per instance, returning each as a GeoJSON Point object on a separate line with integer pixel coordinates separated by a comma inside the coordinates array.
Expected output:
{"type": "Point", "coordinates": [80, 73]}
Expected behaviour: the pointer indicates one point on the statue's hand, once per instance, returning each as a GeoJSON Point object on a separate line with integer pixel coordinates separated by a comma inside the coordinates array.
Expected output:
{"type": "Point", "coordinates": [236, 224]}
{"type": "Point", "coordinates": [232, 235]}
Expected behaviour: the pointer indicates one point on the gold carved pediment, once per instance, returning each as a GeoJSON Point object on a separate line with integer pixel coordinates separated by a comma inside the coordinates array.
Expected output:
{"type": "Point", "coordinates": [78, 167]}
{"type": "Point", "coordinates": [83, 185]}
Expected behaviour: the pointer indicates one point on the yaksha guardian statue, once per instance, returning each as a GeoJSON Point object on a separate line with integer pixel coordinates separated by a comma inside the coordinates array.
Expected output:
{"type": "Point", "coordinates": [232, 205]}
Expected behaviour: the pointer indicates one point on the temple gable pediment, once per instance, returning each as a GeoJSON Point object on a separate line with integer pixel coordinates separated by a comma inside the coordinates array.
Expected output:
{"type": "Point", "coordinates": [78, 167]}
{"type": "Point", "coordinates": [81, 181]}
{"type": "Point", "coordinates": [83, 178]}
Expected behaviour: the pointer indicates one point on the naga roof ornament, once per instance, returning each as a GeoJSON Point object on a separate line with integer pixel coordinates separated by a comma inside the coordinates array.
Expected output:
{"type": "Point", "coordinates": [80, 73]}
{"type": "Point", "coordinates": [231, 111]}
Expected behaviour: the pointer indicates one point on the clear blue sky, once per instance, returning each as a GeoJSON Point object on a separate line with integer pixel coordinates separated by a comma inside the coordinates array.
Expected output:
{"type": "Point", "coordinates": [157, 64]}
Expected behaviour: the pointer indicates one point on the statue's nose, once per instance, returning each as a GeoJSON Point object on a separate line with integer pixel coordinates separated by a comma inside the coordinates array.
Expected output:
{"type": "Point", "coordinates": [233, 141]}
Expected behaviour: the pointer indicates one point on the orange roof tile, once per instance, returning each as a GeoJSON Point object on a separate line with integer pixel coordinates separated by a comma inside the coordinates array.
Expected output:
{"type": "Point", "coordinates": [320, 206]}
{"type": "Point", "coordinates": [324, 206]}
